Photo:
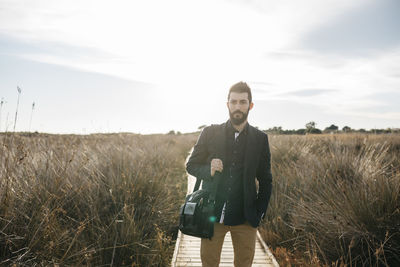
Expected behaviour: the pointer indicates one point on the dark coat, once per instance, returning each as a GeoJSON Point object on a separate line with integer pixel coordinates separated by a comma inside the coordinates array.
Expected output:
{"type": "Point", "coordinates": [212, 144]}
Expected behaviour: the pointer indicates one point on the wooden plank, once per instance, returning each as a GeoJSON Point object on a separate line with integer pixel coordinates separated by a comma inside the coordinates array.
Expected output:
{"type": "Point", "coordinates": [223, 256]}
{"type": "Point", "coordinates": [230, 259]}
{"type": "Point", "coordinates": [222, 264]}
{"type": "Point", "coordinates": [177, 244]}
{"type": "Point", "coordinates": [270, 255]}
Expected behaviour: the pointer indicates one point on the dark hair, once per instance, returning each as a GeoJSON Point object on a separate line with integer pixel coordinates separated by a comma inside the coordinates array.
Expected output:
{"type": "Point", "coordinates": [240, 87]}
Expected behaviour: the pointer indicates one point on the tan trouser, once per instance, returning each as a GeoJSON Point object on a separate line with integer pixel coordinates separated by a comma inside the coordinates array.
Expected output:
{"type": "Point", "coordinates": [243, 240]}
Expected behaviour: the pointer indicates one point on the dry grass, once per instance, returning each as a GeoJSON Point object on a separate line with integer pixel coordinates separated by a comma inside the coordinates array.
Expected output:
{"type": "Point", "coordinates": [113, 200]}
{"type": "Point", "coordinates": [90, 200]}
{"type": "Point", "coordinates": [336, 200]}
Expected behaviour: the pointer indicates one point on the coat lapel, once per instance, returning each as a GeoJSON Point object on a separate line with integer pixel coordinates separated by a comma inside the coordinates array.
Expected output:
{"type": "Point", "coordinates": [221, 143]}
{"type": "Point", "coordinates": [249, 156]}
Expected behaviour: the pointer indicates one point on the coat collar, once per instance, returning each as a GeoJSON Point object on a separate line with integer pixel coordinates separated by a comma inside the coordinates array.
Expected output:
{"type": "Point", "coordinates": [220, 143]}
{"type": "Point", "coordinates": [250, 155]}
{"type": "Point", "coordinates": [249, 158]}
{"type": "Point", "coordinates": [230, 127]}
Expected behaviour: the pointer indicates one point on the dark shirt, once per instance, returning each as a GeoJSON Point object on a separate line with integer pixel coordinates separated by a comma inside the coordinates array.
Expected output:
{"type": "Point", "coordinates": [230, 190]}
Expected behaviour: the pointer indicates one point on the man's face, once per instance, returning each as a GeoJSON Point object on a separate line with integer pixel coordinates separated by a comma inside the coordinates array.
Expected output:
{"type": "Point", "coordinates": [239, 106]}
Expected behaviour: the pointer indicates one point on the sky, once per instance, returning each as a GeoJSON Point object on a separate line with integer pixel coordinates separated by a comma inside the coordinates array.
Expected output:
{"type": "Point", "coordinates": [154, 66]}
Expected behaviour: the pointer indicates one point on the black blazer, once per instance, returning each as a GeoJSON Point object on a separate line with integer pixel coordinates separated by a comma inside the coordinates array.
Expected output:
{"type": "Point", "coordinates": [212, 144]}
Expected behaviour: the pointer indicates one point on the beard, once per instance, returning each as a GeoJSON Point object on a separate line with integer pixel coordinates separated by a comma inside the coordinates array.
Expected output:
{"type": "Point", "coordinates": [236, 119]}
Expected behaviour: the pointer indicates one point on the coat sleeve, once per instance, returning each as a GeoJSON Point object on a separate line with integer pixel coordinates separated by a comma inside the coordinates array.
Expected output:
{"type": "Point", "coordinates": [264, 177]}
{"type": "Point", "coordinates": [197, 164]}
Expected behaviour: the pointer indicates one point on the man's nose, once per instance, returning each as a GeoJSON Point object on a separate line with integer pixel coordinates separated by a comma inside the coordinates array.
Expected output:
{"type": "Point", "coordinates": [236, 106]}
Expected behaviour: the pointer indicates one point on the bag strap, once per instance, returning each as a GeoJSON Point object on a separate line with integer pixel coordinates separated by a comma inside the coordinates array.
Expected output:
{"type": "Point", "coordinates": [197, 185]}
{"type": "Point", "coordinates": [215, 178]}
{"type": "Point", "coordinates": [213, 194]}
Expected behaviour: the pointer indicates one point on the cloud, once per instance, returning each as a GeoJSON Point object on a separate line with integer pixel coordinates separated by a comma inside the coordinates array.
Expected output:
{"type": "Point", "coordinates": [310, 92]}
{"type": "Point", "coordinates": [170, 43]}
{"type": "Point", "coordinates": [193, 51]}
{"type": "Point", "coordinates": [70, 100]}
{"type": "Point", "coordinates": [10, 45]}
{"type": "Point", "coordinates": [382, 103]}
{"type": "Point", "coordinates": [358, 32]}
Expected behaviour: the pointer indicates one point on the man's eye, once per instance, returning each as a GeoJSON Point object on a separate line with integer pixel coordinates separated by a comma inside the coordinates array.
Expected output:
{"type": "Point", "coordinates": [233, 102]}
{"type": "Point", "coordinates": [243, 102]}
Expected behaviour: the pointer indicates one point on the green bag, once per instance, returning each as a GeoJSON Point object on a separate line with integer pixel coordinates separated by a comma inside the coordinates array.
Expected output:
{"type": "Point", "coordinates": [197, 214]}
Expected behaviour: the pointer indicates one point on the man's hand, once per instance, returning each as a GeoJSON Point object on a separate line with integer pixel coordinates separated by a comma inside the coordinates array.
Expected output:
{"type": "Point", "coordinates": [216, 165]}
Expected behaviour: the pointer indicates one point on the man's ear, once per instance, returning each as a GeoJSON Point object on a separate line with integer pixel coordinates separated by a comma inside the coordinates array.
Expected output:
{"type": "Point", "coordinates": [251, 105]}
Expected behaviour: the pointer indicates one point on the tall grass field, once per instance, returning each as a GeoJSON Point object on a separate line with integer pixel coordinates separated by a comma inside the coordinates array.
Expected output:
{"type": "Point", "coordinates": [113, 199]}
{"type": "Point", "coordinates": [335, 200]}
{"type": "Point", "coordinates": [98, 200]}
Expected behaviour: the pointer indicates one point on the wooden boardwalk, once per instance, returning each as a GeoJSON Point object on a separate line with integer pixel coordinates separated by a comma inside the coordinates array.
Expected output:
{"type": "Point", "coordinates": [187, 248]}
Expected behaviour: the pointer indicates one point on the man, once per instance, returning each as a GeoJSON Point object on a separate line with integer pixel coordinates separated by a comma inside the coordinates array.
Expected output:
{"type": "Point", "coordinates": [241, 154]}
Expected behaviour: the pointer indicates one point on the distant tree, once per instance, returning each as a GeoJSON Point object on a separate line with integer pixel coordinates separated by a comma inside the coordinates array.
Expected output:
{"type": "Point", "coordinates": [377, 131]}
{"type": "Point", "coordinates": [346, 129]}
{"type": "Point", "coordinates": [315, 131]}
{"type": "Point", "coordinates": [301, 131]}
{"type": "Point", "coordinates": [310, 126]}
{"type": "Point", "coordinates": [275, 130]}
{"type": "Point", "coordinates": [172, 132]}
{"type": "Point", "coordinates": [331, 129]}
